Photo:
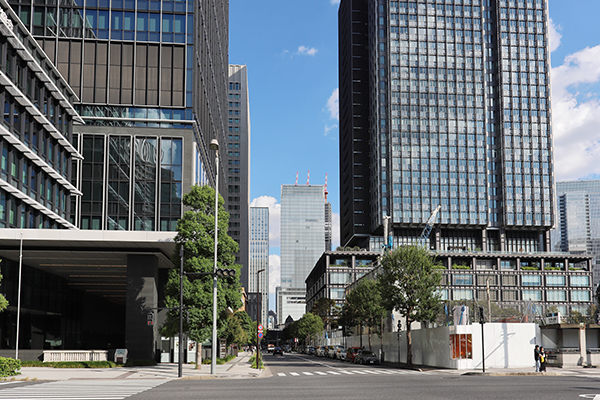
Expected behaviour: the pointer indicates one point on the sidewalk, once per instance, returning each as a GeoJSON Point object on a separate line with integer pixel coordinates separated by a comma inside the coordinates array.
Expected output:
{"type": "Point", "coordinates": [239, 367]}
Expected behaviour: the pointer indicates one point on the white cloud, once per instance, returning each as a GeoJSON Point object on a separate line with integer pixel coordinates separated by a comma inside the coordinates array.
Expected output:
{"type": "Point", "coordinates": [329, 128]}
{"type": "Point", "coordinates": [576, 115]}
{"type": "Point", "coordinates": [274, 217]}
{"type": "Point", "coordinates": [334, 2]}
{"type": "Point", "coordinates": [333, 104]}
{"type": "Point", "coordinates": [306, 51]}
{"type": "Point", "coordinates": [274, 272]}
{"type": "Point", "coordinates": [553, 35]}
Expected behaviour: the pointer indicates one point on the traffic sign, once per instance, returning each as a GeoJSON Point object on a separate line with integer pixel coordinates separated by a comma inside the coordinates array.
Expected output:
{"type": "Point", "coordinates": [260, 335]}
{"type": "Point", "coordinates": [260, 328]}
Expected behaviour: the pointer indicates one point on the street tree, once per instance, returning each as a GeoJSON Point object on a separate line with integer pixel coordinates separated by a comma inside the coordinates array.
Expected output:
{"type": "Point", "coordinates": [327, 309]}
{"type": "Point", "coordinates": [307, 327]}
{"type": "Point", "coordinates": [195, 233]}
{"type": "Point", "coordinates": [365, 307]}
{"type": "Point", "coordinates": [409, 284]}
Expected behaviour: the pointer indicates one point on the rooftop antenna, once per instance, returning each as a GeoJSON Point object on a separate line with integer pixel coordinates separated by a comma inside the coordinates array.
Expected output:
{"type": "Point", "coordinates": [308, 178]}
{"type": "Point", "coordinates": [296, 184]}
{"type": "Point", "coordinates": [326, 192]}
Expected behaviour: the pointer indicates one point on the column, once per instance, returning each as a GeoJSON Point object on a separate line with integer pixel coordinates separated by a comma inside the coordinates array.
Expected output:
{"type": "Point", "coordinates": [141, 340]}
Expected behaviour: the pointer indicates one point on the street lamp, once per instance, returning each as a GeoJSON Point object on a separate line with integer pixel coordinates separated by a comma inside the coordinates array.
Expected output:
{"type": "Point", "coordinates": [214, 145]}
{"type": "Point", "coordinates": [19, 298]}
{"type": "Point", "coordinates": [257, 317]}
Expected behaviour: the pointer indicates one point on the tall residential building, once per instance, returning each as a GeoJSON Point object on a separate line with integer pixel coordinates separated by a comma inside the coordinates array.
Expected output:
{"type": "Point", "coordinates": [238, 165]}
{"type": "Point", "coordinates": [304, 234]}
{"type": "Point", "coordinates": [259, 260]}
{"type": "Point", "coordinates": [446, 103]}
{"type": "Point", "coordinates": [110, 107]}
{"type": "Point", "coordinates": [578, 220]}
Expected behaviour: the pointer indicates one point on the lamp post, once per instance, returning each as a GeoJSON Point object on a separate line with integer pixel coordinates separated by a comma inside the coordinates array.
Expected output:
{"type": "Point", "coordinates": [180, 356]}
{"type": "Point", "coordinates": [257, 317]}
{"type": "Point", "coordinates": [214, 145]}
{"type": "Point", "coordinates": [19, 297]}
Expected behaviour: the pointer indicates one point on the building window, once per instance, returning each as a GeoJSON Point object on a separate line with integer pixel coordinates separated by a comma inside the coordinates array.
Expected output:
{"type": "Point", "coordinates": [531, 280]}
{"type": "Point", "coordinates": [580, 281]}
{"type": "Point", "coordinates": [533, 295]}
{"type": "Point", "coordinates": [555, 280]}
{"type": "Point", "coordinates": [580, 295]}
{"type": "Point", "coordinates": [556, 295]}
{"type": "Point", "coordinates": [462, 279]}
{"type": "Point", "coordinates": [462, 294]}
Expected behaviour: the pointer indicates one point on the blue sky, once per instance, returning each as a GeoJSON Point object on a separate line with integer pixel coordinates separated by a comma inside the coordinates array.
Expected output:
{"type": "Point", "coordinates": [290, 49]}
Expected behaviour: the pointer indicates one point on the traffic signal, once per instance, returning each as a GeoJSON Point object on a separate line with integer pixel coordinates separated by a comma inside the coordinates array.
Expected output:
{"type": "Point", "coordinates": [226, 272]}
{"type": "Point", "coordinates": [150, 318]}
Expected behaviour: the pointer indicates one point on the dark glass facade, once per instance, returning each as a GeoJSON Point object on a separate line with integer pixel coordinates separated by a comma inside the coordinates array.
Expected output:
{"type": "Point", "coordinates": [446, 103]}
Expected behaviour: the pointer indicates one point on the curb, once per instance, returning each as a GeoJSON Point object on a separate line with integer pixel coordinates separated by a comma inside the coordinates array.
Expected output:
{"type": "Point", "coordinates": [511, 374]}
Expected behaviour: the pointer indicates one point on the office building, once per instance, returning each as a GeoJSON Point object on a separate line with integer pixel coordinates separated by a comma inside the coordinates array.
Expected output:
{"type": "Point", "coordinates": [259, 260]}
{"type": "Point", "coordinates": [578, 221]}
{"type": "Point", "coordinates": [334, 271]}
{"type": "Point", "coordinates": [447, 103]}
{"type": "Point", "coordinates": [303, 240]}
{"type": "Point", "coordinates": [118, 103]}
{"type": "Point", "coordinates": [237, 167]}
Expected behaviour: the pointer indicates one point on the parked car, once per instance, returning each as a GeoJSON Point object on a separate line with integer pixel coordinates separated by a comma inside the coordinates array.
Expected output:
{"type": "Point", "coordinates": [341, 355]}
{"type": "Point", "coordinates": [320, 351]}
{"type": "Point", "coordinates": [330, 351]}
{"type": "Point", "coordinates": [277, 350]}
{"type": "Point", "coordinates": [312, 351]}
{"type": "Point", "coordinates": [366, 357]}
{"type": "Point", "coordinates": [336, 352]}
{"type": "Point", "coordinates": [351, 353]}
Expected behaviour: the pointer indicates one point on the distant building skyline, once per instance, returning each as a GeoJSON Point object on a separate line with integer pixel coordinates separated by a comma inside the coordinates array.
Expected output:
{"type": "Point", "coordinates": [578, 220]}
{"type": "Point", "coordinates": [259, 259]}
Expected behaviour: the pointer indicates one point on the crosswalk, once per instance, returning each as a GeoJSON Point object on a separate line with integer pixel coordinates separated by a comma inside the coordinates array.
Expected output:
{"type": "Point", "coordinates": [79, 390]}
{"type": "Point", "coordinates": [350, 372]}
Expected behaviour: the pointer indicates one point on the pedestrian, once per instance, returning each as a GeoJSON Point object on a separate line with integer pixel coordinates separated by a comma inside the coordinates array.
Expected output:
{"type": "Point", "coordinates": [536, 357]}
{"type": "Point", "coordinates": [542, 360]}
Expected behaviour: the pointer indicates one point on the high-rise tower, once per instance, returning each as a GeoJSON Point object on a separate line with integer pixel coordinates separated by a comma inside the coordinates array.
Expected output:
{"type": "Point", "coordinates": [259, 259]}
{"type": "Point", "coordinates": [237, 168]}
{"type": "Point", "coordinates": [446, 103]}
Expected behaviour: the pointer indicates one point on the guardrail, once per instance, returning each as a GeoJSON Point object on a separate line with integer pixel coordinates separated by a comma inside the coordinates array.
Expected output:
{"type": "Point", "coordinates": [75, 355]}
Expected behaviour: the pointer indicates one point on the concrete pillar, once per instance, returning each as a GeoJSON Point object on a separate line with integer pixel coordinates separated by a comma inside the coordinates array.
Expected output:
{"type": "Point", "coordinates": [141, 340]}
{"type": "Point", "coordinates": [502, 240]}
{"type": "Point", "coordinates": [484, 245]}
{"type": "Point", "coordinates": [582, 345]}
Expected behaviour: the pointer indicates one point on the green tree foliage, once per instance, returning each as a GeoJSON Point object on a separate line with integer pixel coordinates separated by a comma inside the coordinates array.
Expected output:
{"type": "Point", "coordinates": [307, 327]}
{"type": "Point", "coordinates": [364, 306]}
{"type": "Point", "coordinates": [328, 311]}
{"type": "Point", "coordinates": [408, 284]}
{"type": "Point", "coordinates": [240, 328]}
{"type": "Point", "coordinates": [3, 301]}
{"type": "Point", "coordinates": [195, 232]}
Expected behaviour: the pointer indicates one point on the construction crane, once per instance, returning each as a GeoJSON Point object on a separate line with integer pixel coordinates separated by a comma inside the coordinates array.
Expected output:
{"type": "Point", "coordinates": [424, 238]}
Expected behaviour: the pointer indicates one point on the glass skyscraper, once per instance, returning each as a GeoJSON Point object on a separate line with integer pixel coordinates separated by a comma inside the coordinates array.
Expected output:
{"type": "Point", "coordinates": [578, 220]}
{"type": "Point", "coordinates": [446, 102]}
{"type": "Point", "coordinates": [303, 240]}
{"type": "Point", "coordinates": [259, 259]}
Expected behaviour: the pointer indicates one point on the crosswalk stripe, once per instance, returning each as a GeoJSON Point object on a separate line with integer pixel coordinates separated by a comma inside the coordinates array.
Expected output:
{"type": "Point", "coordinates": [80, 390]}
{"type": "Point", "coordinates": [307, 373]}
{"type": "Point", "coordinates": [281, 374]}
{"type": "Point", "coordinates": [382, 371]}
{"type": "Point", "coordinates": [320, 373]}
{"type": "Point", "coordinates": [294, 374]}
{"type": "Point", "coordinates": [347, 372]}
{"type": "Point", "coordinates": [333, 373]}
{"type": "Point", "coordinates": [360, 372]}
{"type": "Point", "coordinates": [371, 372]}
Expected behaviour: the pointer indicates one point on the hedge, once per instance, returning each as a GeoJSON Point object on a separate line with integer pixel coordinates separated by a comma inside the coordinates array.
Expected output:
{"type": "Point", "coordinates": [9, 366]}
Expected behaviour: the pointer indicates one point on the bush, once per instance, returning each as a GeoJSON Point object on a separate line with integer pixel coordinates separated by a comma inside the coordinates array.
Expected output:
{"type": "Point", "coordinates": [140, 363]}
{"type": "Point", "coordinates": [70, 364]}
{"type": "Point", "coordinates": [9, 366]}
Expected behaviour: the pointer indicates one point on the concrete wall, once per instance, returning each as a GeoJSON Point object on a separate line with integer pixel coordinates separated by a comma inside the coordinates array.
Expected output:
{"type": "Point", "coordinates": [506, 346]}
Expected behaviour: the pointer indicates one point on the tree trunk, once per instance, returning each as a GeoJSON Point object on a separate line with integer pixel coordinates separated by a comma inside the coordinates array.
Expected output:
{"type": "Point", "coordinates": [408, 343]}
{"type": "Point", "coordinates": [198, 354]}
{"type": "Point", "coordinates": [360, 333]}
{"type": "Point", "coordinates": [370, 331]}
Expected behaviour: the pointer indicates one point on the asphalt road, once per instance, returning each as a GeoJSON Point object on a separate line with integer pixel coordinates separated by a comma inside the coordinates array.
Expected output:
{"type": "Point", "coordinates": [348, 383]}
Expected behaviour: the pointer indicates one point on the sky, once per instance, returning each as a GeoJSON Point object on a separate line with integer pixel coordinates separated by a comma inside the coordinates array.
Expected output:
{"type": "Point", "coordinates": [290, 50]}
